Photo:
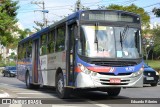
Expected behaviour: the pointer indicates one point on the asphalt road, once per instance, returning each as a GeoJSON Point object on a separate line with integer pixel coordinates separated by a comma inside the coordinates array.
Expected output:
{"type": "Point", "coordinates": [10, 87]}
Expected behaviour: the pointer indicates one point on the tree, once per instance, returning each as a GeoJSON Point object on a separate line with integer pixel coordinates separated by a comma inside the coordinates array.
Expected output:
{"type": "Point", "coordinates": [39, 25]}
{"type": "Point", "coordinates": [24, 33]}
{"type": "Point", "coordinates": [156, 35]}
{"type": "Point", "coordinates": [156, 12]}
{"type": "Point", "coordinates": [145, 18]}
{"type": "Point", "coordinates": [8, 21]}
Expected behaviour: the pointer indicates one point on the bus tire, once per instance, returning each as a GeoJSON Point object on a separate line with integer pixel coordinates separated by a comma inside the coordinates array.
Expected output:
{"type": "Point", "coordinates": [28, 84]}
{"type": "Point", "coordinates": [113, 91]}
{"type": "Point", "coordinates": [60, 89]}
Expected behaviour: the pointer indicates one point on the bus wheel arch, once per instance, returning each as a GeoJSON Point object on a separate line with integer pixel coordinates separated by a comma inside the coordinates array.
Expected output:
{"type": "Point", "coordinates": [62, 91]}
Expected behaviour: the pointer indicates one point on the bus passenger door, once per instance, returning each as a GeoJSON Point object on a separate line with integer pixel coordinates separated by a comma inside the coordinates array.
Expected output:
{"type": "Point", "coordinates": [35, 60]}
{"type": "Point", "coordinates": [70, 55]}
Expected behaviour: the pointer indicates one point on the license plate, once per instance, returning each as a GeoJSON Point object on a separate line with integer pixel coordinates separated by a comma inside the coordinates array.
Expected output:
{"type": "Point", "coordinates": [149, 78]}
{"type": "Point", "coordinates": [115, 80]}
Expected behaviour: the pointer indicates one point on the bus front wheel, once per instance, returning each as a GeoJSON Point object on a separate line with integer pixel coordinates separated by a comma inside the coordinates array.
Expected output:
{"type": "Point", "coordinates": [113, 91]}
{"type": "Point", "coordinates": [60, 89]}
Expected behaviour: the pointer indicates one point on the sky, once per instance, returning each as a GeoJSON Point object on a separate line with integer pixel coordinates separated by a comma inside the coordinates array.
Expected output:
{"type": "Point", "coordinates": [58, 9]}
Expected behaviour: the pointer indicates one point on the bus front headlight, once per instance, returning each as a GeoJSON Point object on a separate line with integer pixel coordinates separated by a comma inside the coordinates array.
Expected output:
{"type": "Point", "coordinates": [135, 74]}
{"type": "Point", "coordinates": [84, 69]}
{"type": "Point", "coordinates": [87, 71]}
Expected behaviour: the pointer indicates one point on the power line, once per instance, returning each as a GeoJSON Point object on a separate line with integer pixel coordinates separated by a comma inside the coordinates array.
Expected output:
{"type": "Point", "coordinates": [129, 1]}
{"type": "Point", "coordinates": [151, 5]}
{"type": "Point", "coordinates": [48, 9]}
{"type": "Point", "coordinates": [43, 7]}
{"type": "Point", "coordinates": [65, 5]}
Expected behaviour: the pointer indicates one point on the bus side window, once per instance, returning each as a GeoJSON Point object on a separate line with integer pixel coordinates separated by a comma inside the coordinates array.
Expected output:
{"type": "Point", "coordinates": [19, 52]}
{"type": "Point", "coordinates": [43, 44]}
{"type": "Point", "coordinates": [50, 43]}
{"type": "Point", "coordinates": [29, 49]}
{"type": "Point", "coordinates": [60, 39]}
{"type": "Point", "coordinates": [24, 51]}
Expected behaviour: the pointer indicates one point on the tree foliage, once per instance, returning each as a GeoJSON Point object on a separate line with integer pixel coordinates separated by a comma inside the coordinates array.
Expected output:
{"type": "Point", "coordinates": [8, 21]}
{"type": "Point", "coordinates": [145, 18]}
{"type": "Point", "coordinates": [156, 35]}
{"type": "Point", "coordinates": [156, 12]}
{"type": "Point", "coordinates": [24, 33]}
{"type": "Point", "coordinates": [39, 26]}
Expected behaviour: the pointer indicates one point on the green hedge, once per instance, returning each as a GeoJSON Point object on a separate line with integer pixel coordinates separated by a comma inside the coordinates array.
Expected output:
{"type": "Point", "coordinates": [2, 64]}
{"type": "Point", "coordinates": [155, 64]}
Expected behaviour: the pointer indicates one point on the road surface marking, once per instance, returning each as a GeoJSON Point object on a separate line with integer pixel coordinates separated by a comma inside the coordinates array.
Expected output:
{"type": "Point", "coordinates": [96, 103]}
{"type": "Point", "coordinates": [4, 94]}
{"type": "Point", "coordinates": [15, 105]}
{"type": "Point", "coordinates": [24, 97]}
{"type": "Point", "coordinates": [29, 93]}
{"type": "Point", "coordinates": [68, 105]}
{"type": "Point", "coordinates": [26, 91]}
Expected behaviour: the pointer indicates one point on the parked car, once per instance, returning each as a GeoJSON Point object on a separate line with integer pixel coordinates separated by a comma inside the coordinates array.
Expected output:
{"type": "Point", "coordinates": [9, 71]}
{"type": "Point", "coordinates": [150, 76]}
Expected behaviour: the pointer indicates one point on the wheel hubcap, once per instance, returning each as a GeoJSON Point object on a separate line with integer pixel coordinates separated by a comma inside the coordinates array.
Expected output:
{"type": "Point", "coordinates": [60, 85]}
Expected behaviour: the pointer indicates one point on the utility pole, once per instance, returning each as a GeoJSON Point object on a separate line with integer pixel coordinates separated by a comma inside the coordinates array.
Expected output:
{"type": "Point", "coordinates": [43, 10]}
{"type": "Point", "coordinates": [78, 5]}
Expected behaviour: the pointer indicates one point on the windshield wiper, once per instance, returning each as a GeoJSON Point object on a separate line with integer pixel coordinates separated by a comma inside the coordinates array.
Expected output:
{"type": "Point", "coordinates": [123, 36]}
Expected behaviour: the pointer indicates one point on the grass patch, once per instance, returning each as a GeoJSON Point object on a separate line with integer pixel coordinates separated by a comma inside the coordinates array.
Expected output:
{"type": "Point", "coordinates": [2, 64]}
{"type": "Point", "coordinates": [153, 63]}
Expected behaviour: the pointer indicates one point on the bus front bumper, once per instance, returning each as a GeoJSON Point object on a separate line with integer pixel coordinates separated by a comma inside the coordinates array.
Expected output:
{"type": "Point", "coordinates": [87, 81]}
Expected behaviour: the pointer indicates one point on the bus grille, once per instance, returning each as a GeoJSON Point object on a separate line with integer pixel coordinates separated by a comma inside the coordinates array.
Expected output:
{"type": "Point", "coordinates": [119, 74]}
{"type": "Point", "coordinates": [113, 63]}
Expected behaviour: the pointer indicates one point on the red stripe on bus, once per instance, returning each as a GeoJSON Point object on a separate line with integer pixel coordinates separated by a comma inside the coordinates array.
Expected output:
{"type": "Point", "coordinates": [100, 69]}
{"type": "Point", "coordinates": [77, 69]}
{"type": "Point", "coordinates": [97, 69]}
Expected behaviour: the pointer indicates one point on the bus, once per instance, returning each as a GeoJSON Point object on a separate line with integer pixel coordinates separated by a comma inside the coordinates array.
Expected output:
{"type": "Point", "coordinates": [89, 49]}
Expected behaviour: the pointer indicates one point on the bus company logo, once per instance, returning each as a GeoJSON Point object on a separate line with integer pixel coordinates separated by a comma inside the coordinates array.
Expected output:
{"type": "Point", "coordinates": [129, 68]}
{"type": "Point", "coordinates": [112, 70]}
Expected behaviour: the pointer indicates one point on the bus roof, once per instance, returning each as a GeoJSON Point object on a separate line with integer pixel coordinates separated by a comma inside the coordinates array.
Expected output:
{"type": "Point", "coordinates": [72, 16]}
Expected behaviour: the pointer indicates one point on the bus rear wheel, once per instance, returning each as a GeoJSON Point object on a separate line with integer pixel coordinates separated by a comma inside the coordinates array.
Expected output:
{"type": "Point", "coordinates": [60, 89]}
{"type": "Point", "coordinates": [113, 91]}
{"type": "Point", "coordinates": [28, 83]}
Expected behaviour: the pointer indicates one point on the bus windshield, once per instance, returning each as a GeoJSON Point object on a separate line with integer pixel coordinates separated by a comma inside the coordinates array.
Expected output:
{"type": "Point", "coordinates": [109, 42]}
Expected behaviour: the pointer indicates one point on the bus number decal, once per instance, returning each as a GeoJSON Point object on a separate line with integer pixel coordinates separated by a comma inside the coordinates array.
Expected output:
{"type": "Point", "coordinates": [130, 68]}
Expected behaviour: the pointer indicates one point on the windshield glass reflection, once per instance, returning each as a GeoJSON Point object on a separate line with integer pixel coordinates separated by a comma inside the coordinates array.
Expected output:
{"type": "Point", "coordinates": [109, 42]}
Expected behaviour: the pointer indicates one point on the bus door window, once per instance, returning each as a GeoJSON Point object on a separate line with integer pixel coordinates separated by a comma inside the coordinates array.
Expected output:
{"type": "Point", "coordinates": [71, 49]}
